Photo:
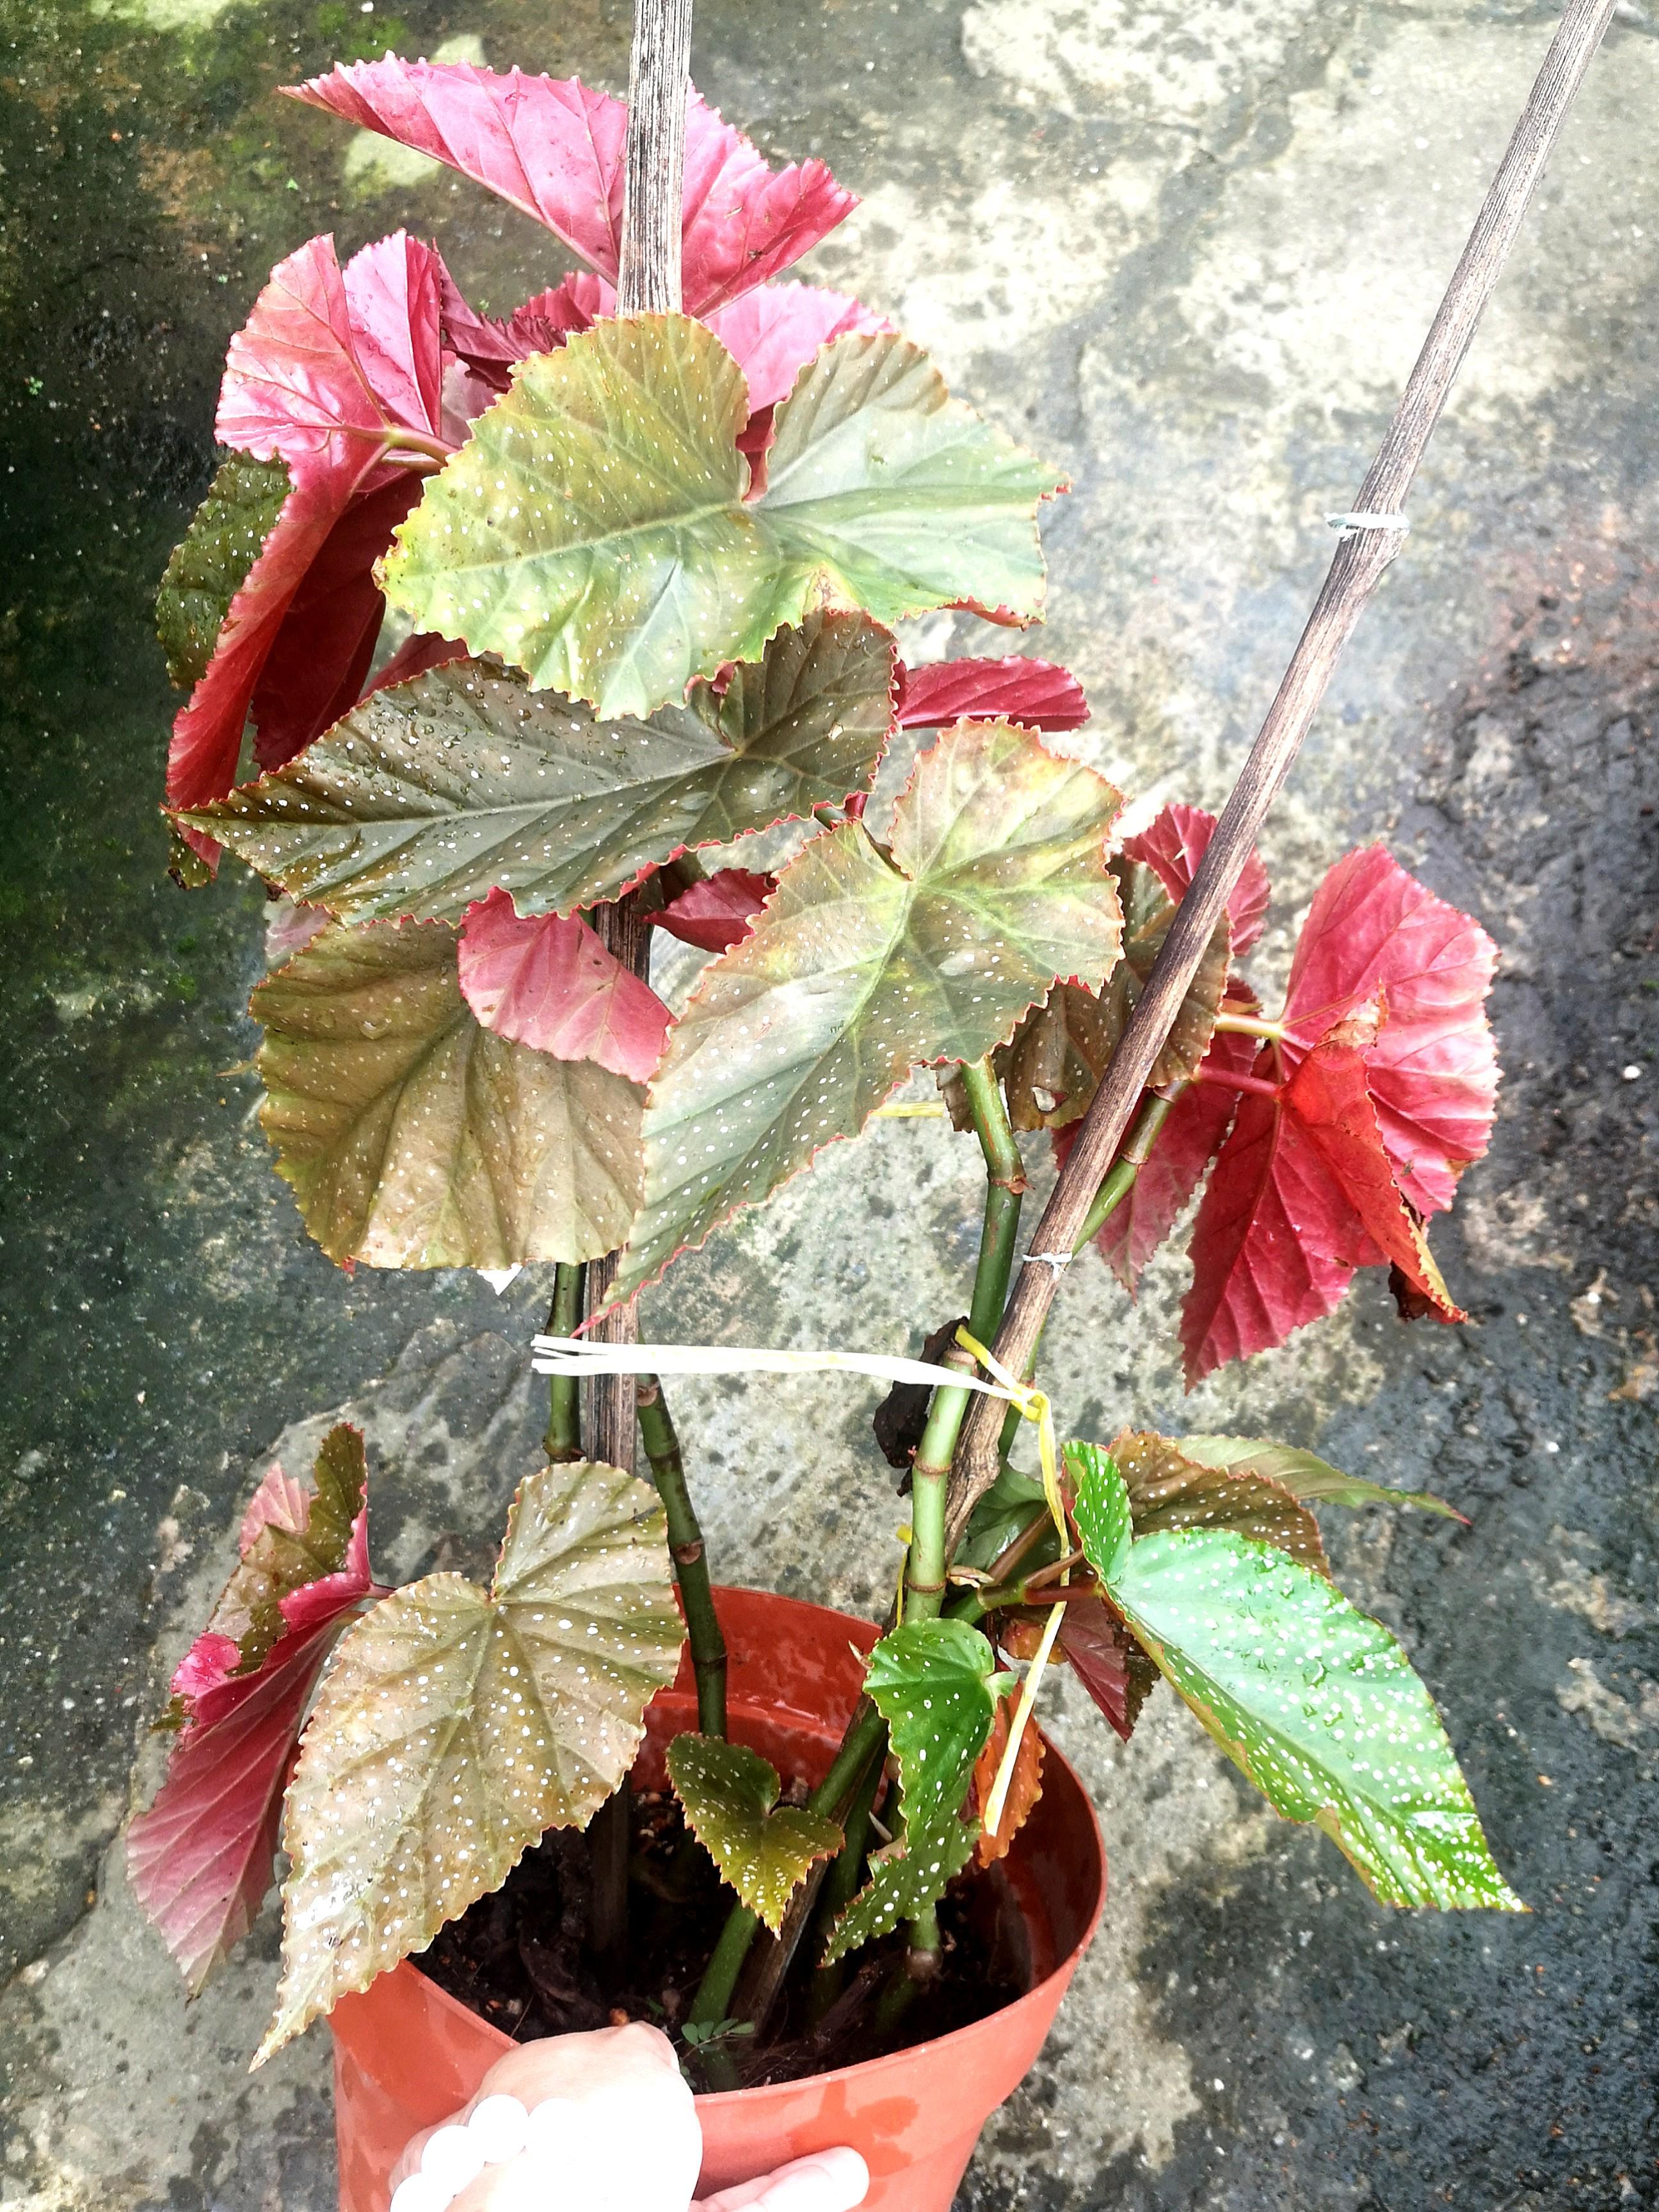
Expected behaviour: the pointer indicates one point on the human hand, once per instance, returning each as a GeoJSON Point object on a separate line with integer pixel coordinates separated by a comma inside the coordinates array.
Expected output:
{"type": "Point", "coordinates": [599, 2123]}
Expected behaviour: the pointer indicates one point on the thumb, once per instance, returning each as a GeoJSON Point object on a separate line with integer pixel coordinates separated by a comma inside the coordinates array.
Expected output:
{"type": "Point", "coordinates": [827, 2181]}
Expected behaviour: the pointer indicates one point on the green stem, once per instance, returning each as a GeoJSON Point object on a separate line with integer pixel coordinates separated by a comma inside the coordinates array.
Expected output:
{"type": "Point", "coordinates": [866, 1735]}
{"type": "Point", "coordinates": [840, 1888]}
{"type": "Point", "coordinates": [1248, 1025]}
{"type": "Point", "coordinates": [720, 1977]}
{"type": "Point", "coordinates": [930, 1472]}
{"type": "Point", "coordinates": [1121, 1176]}
{"type": "Point", "coordinates": [685, 1546]}
{"type": "Point", "coordinates": [563, 1440]}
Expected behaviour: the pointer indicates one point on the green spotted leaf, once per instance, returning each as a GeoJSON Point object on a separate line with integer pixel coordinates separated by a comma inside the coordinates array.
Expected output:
{"type": "Point", "coordinates": [906, 1876]}
{"type": "Point", "coordinates": [936, 1684]}
{"type": "Point", "coordinates": [413, 1137]}
{"type": "Point", "coordinates": [595, 530]}
{"type": "Point", "coordinates": [428, 795]}
{"type": "Point", "coordinates": [868, 959]}
{"type": "Point", "coordinates": [1168, 1489]}
{"type": "Point", "coordinates": [1317, 1703]}
{"type": "Point", "coordinates": [454, 1726]}
{"type": "Point", "coordinates": [764, 1850]}
{"type": "Point", "coordinates": [211, 562]}
{"type": "Point", "coordinates": [1059, 1053]}
{"type": "Point", "coordinates": [1305, 1476]}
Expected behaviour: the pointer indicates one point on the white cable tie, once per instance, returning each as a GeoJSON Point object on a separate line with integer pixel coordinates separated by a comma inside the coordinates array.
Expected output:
{"type": "Point", "coordinates": [1058, 1260]}
{"type": "Point", "coordinates": [1350, 525]}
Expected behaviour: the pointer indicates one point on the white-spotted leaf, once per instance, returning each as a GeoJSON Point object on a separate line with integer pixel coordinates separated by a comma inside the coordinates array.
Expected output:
{"type": "Point", "coordinates": [430, 794]}
{"type": "Point", "coordinates": [455, 1726]}
{"type": "Point", "coordinates": [866, 960]}
{"type": "Point", "coordinates": [1315, 1703]}
{"type": "Point", "coordinates": [595, 530]}
{"type": "Point", "coordinates": [415, 1138]}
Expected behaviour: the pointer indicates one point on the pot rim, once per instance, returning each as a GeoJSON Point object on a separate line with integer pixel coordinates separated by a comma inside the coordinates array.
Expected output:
{"type": "Point", "coordinates": [1062, 1970]}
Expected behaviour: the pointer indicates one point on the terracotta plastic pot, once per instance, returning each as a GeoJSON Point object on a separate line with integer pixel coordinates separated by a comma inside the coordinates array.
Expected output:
{"type": "Point", "coordinates": [406, 2054]}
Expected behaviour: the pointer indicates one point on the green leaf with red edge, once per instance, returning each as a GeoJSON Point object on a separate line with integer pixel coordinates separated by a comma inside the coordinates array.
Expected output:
{"type": "Point", "coordinates": [414, 1138]}
{"type": "Point", "coordinates": [201, 1855]}
{"type": "Point", "coordinates": [764, 1850]}
{"type": "Point", "coordinates": [936, 1684]}
{"type": "Point", "coordinates": [1059, 1052]}
{"type": "Point", "coordinates": [553, 147]}
{"type": "Point", "coordinates": [1167, 1490]}
{"type": "Point", "coordinates": [1376, 938]}
{"type": "Point", "coordinates": [1313, 1703]}
{"type": "Point", "coordinates": [595, 530]}
{"type": "Point", "coordinates": [1307, 1476]}
{"type": "Point", "coordinates": [456, 1726]}
{"type": "Point", "coordinates": [864, 961]}
{"type": "Point", "coordinates": [428, 796]}
{"type": "Point", "coordinates": [210, 561]}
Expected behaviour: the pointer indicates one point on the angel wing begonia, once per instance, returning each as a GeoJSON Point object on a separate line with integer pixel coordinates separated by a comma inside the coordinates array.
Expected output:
{"type": "Point", "coordinates": [1035, 693]}
{"type": "Point", "coordinates": [545, 980]}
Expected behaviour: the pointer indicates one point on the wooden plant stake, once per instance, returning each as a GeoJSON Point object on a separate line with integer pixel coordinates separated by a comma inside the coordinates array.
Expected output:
{"type": "Point", "coordinates": [1365, 551]}
{"type": "Point", "coordinates": [647, 283]}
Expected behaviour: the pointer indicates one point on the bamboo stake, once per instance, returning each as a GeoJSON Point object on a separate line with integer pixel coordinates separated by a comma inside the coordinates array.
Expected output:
{"type": "Point", "coordinates": [1354, 574]}
{"type": "Point", "coordinates": [647, 283]}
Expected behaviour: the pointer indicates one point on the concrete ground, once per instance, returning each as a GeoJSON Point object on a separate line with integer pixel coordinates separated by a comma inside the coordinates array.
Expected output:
{"type": "Point", "coordinates": [1188, 252]}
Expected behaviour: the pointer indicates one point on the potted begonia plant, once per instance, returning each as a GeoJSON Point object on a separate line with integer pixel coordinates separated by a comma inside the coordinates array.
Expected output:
{"type": "Point", "coordinates": [650, 566]}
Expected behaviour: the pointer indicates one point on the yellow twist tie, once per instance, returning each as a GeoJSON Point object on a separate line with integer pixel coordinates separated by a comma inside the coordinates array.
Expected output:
{"type": "Point", "coordinates": [1033, 1404]}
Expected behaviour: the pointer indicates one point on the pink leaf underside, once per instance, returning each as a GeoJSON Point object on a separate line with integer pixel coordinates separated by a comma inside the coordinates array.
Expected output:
{"type": "Point", "coordinates": [200, 1858]}
{"type": "Point", "coordinates": [330, 365]}
{"type": "Point", "coordinates": [547, 981]}
{"type": "Point", "coordinates": [554, 149]}
{"type": "Point", "coordinates": [280, 1502]}
{"type": "Point", "coordinates": [1034, 692]}
{"type": "Point", "coordinates": [1302, 1194]}
{"type": "Point", "coordinates": [1096, 1645]}
{"type": "Point", "coordinates": [323, 646]}
{"type": "Point", "coordinates": [719, 911]}
{"type": "Point", "coordinates": [491, 345]}
{"type": "Point", "coordinates": [426, 649]}
{"type": "Point", "coordinates": [1188, 1141]}
{"type": "Point", "coordinates": [1374, 936]}
{"type": "Point", "coordinates": [1173, 845]}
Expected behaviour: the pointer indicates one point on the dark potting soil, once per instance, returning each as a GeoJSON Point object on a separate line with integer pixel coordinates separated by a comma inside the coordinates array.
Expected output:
{"type": "Point", "coordinates": [522, 1959]}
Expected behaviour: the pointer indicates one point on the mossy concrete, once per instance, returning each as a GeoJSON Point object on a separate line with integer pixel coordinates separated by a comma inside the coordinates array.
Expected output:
{"type": "Point", "coordinates": [1188, 253]}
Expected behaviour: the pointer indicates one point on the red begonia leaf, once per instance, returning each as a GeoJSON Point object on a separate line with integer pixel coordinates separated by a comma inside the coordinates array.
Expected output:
{"type": "Point", "coordinates": [207, 736]}
{"type": "Point", "coordinates": [330, 366]}
{"type": "Point", "coordinates": [1329, 1096]}
{"type": "Point", "coordinates": [546, 980]}
{"type": "Point", "coordinates": [490, 346]}
{"type": "Point", "coordinates": [202, 1856]}
{"type": "Point", "coordinates": [1264, 1248]}
{"type": "Point", "coordinates": [1302, 1195]}
{"type": "Point", "coordinates": [1034, 692]}
{"type": "Point", "coordinates": [425, 650]}
{"type": "Point", "coordinates": [1176, 842]}
{"type": "Point", "coordinates": [1108, 1661]}
{"type": "Point", "coordinates": [719, 911]}
{"type": "Point", "coordinates": [1191, 1137]}
{"type": "Point", "coordinates": [554, 149]}
{"type": "Point", "coordinates": [321, 652]}
{"type": "Point", "coordinates": [1374, 935]}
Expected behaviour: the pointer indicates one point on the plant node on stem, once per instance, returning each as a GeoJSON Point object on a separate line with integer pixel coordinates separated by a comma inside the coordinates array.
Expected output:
{"type": "Point", "coordinates": [686, 1549]}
